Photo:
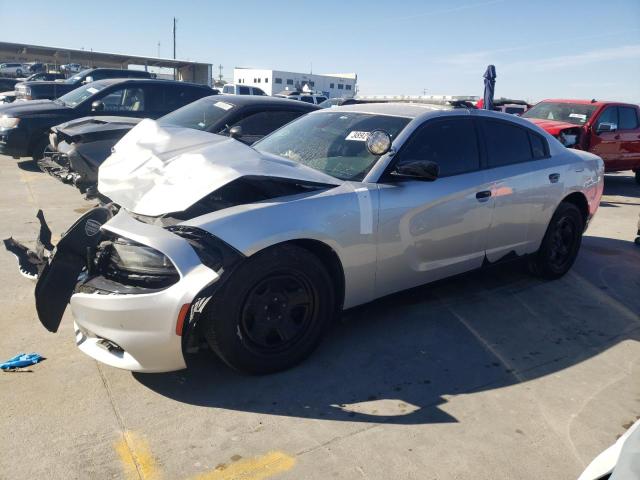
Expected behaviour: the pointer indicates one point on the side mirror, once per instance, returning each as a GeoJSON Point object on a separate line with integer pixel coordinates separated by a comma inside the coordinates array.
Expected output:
{"type": "Point", "coordinates": [97, 106]}
{"type": "Point", "coordinates": [417, 170]}
{"type": "Point", "coordinates": [87, 80]}
{"type": "Point", "coordinates": [235, 131]}
{"type": "Point", "coordinates": [606, 127]}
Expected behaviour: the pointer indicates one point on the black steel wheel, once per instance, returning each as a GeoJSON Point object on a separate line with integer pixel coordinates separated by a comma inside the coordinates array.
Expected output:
{"type": "Point", "coordinates": [272, 311]}
{"type": "Point", "coordinates": [560, 244]}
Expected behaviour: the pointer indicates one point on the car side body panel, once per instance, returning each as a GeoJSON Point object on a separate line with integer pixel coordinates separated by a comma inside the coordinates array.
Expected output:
{"type": "Point", "coordinates": [344, 218]}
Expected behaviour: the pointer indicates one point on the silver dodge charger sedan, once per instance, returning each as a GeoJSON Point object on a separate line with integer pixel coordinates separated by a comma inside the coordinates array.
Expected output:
{"type": "Point", "coordinates": [257, 248]}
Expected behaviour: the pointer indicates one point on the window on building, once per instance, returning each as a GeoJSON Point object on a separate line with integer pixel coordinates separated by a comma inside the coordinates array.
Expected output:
{"type": "Point", "coordinates": [289, 81]}
{"type": "Point", "coordinates": [255, 80]}
{"type": "Point", "coordinates": [332, 85]}
{"type": "Point", "coordinates": [266, 80]}
{"type": "Point", "coordinates": [259, 80]}
{"type": "Point", "coordinates": [312, 84]}
{"type": "Point", "coordinates": [278, 80]}
{"type": "Point", "coordinates": [348, 87]}
{"type": "Point", "coordinates": [340, 86]}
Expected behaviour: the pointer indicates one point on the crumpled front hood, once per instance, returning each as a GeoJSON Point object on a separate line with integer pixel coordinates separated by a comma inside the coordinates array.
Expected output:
{"type": "Point", "coordinates": [95, 128]}
{"type": "Point", "coordinates": [157, 169]}
{"type": "Point", "coordinates": [554, 127]}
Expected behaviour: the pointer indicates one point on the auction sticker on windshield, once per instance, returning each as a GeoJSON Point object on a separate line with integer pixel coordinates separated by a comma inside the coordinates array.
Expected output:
{"type": "Point", "coordinates": [580, 116]}
{"type": "Point", "coordinates": [223, 105]}
{"type": "Point", "coordinates": [358, 136]}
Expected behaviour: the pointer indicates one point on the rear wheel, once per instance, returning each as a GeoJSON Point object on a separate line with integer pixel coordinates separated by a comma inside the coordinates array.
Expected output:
{"type": "Point", "coordinates": [560, 244]}
{"type": "Point", "coordinates": [272, 312]}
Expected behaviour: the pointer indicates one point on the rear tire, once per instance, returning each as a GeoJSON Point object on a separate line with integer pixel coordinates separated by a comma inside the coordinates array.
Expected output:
{"type": "Point", "coordinates": [560, 244]}
{"type": "Point", "coordinates": [272, 312]}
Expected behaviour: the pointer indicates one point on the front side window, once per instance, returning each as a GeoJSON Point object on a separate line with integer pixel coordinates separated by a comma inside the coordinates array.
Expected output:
{"type": "Point", "coordinates": [627, 118]}
{"type": "Point", "coordinates": [575, 113]}
{"type": "Point", "coordinates": [450, 143]}
{"type": "Point", "coordinates": [263, 123]}
{"type": "Point", "coordinates": [333, 143]}
{"type": "Point", "coordinates": [244, 91]}
{"type": "Point", "coordinates": [202, 114]}
{"type": "Point", "coordinates": [227, 89]}
{"type": "Point", "coordinates": [608, 116]}
{"type": "Point", "coordinates": [124, 100]}
{"type": "Point", "coordinates": [506, 143]}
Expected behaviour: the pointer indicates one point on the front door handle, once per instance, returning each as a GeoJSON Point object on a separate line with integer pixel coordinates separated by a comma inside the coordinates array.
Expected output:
{"type": "Point", "coordinates": [483, 195]}
{"type": "Point", "coordinates": [554, 177]}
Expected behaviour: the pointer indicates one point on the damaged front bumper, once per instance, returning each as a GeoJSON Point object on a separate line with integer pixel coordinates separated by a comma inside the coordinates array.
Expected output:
{"type": "Point", "coordinates": [126, 324]}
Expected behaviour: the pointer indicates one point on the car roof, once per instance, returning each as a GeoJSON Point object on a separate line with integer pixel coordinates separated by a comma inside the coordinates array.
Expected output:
{"type": "Point", "coordinates": [409, 110]}
{"type": "Point", "coordinates": [582, 101]}
{"type": "Point", "coordinates": [111, 81]}
{"type": "Point", "coordinates": [242, 100]}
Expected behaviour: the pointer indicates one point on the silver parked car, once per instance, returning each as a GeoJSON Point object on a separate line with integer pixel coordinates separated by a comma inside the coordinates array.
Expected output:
{"type": "Point", "coordinates": [258, 248]}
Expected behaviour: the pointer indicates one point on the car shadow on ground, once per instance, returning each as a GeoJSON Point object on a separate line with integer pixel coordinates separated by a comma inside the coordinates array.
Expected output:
{"type": "Point", "coordinates": [395, 360]}
{"type": "Point", "coordinates": [623, 185]}
{"type": "Point", "coordinates": [29, 165]}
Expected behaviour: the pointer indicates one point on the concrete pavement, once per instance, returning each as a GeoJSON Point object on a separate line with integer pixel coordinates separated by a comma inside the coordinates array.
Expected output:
{"type": "Point", "coordinates": [491, 375]}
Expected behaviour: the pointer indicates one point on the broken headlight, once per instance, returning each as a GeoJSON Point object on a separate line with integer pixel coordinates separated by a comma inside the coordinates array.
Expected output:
{"type": "Point", "coordinates": [133, 257]}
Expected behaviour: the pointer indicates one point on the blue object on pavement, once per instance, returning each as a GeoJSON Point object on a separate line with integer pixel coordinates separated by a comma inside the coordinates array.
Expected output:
{"type": "Point", "coordinates": [21, 360]}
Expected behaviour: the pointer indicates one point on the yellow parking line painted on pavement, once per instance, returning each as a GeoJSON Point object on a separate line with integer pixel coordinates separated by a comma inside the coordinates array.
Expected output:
{"type": "Point", "coordinates": [135, 455]}
{"type": "Point", "coordinates": [258, 468]}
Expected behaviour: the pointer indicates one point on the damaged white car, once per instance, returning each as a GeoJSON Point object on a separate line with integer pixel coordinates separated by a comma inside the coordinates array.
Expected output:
{"type": "Point", "coordinates": [258, 248]}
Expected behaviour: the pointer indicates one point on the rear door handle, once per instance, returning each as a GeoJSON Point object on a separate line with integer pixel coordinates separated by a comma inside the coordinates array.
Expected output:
{"type": "Point", "coordinates": [554, 177]}
{"type": "Point", "coordinates": [483, 195]}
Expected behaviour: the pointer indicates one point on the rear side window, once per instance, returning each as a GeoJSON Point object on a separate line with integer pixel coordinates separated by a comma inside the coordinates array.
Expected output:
{"type": "Point", "coordinates": [506, 143]}
{"type": "Point", "coordinates": [227, 89]}
{"type": "Point", "coordinates": [320, 99]}
{"type": "Point", "coordinates": [263, 123]}
{"type": "Point", "coordinates": [628, 118]}
{"type": "Point", "coordinates": [307, 99]}
{"type": "Point", "coordinates": [538, 146]}
{"type": "Point", "coordinates": [244, 91]}
{"type": "Point", "coordinates": [451, 143]}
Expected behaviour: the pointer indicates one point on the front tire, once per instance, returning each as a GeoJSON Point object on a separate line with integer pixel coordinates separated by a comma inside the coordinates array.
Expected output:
{"type": "Point", "coordinates": [272, 312]}
{"type": "Point", "coordinates": [560, 244]}
{"type": "Point", "coordinates": [39, 149]}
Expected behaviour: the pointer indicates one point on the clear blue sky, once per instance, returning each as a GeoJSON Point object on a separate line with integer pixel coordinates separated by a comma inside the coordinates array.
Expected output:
{"type": "Point", "coordinates": [541, 48]}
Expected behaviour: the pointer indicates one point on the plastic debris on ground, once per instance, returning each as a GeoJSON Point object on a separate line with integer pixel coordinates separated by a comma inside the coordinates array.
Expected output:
{"type": "Point", "coordinates": [20, 361]}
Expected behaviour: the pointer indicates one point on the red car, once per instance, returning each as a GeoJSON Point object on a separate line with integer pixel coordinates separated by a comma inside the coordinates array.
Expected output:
{"type": "Point", "coordinates": [611, 130]}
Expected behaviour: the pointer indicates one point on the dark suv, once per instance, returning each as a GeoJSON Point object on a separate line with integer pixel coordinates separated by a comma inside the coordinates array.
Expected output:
{"type": "Point", "coordinates": [50, 90]}
{"type": "Point", "coordinates": [24, 126]}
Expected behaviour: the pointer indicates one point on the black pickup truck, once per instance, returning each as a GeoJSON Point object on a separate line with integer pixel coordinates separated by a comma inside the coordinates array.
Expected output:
{"type": "Point", "coordinates": [24, 126]}
{"type": "Point", "coordinates": [50, 90]}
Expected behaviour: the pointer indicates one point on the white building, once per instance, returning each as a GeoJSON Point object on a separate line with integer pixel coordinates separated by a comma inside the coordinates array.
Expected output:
{"type": "Point", "coordinates": [275, 81]}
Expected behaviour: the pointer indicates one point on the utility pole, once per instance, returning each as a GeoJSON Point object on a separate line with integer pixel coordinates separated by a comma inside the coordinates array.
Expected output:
{"type": "Point", "coordinates": [220, 74]}
{"type": "Point", "coordinates": [174, 47]}
{"type": "Point", "coordinates": [158, 49]}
